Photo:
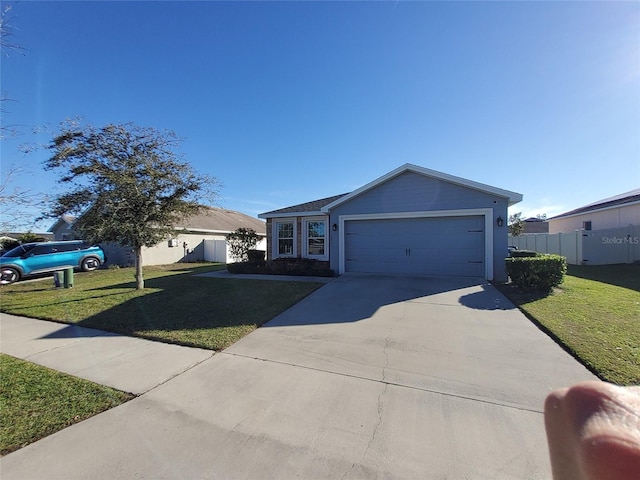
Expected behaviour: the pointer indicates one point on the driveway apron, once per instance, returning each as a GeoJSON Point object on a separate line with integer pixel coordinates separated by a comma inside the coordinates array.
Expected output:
{"type": "Point", "coordinates": [369, 377]}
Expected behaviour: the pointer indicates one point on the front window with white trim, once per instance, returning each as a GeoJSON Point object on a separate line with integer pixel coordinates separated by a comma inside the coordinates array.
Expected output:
{"type": "Point", "coordinates": [316, 238]}
{"type": "Point", "coordinates": [285, 238]}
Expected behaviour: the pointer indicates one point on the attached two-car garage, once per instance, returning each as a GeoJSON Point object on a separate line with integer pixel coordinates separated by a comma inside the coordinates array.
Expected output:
{"type": "Point", "coordinates": [440, 245]}
{"type": "Point", "coordinates": [410, 221]}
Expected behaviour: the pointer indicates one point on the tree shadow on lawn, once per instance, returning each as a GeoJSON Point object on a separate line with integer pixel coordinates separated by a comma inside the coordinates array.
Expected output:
{"type": "Point", "coordinates": [193, 310]}
{"type": "Point", "coordinates": [622, 275]}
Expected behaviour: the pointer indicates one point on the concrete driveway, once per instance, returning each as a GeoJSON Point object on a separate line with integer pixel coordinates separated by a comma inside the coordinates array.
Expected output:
{"type": "Point", "coordinates": [369, 377]}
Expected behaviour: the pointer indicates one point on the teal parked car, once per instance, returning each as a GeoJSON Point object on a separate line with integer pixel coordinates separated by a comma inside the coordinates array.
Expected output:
{"type": "Point", "coordinates": [34, 258]}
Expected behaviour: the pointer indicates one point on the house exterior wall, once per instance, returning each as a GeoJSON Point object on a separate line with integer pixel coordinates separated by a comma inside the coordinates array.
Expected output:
{"type": "Point", "coordinates": [619, 216]}
{"type": "Point", "coordinates": [535, 227]}
{"type": "Point", "coordinates": [200, 246]}
{"type": "Point", "coordinates": [162, 253]}
{"type": "Point", "coordinates": [195, 251]}
{"type": "Point", "coordinates": [299, 235]}
{"type": "Point", "coordinates": [412, 192]}
{"type": "Point", "coordinates": [63, 231]}
{"type": "Point", "coordinates": [269, 249]}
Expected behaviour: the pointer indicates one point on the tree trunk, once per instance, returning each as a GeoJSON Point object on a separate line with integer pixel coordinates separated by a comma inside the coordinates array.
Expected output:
{"type": "Point", "coordinates": [139, 278]}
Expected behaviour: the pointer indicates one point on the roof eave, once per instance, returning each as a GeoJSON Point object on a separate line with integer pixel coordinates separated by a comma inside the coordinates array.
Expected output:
{"type": "Point", "coordinates": [290, 214]}
{"type": "Point", "coordinates": [595, 209]}
{"type": "Point", "coordinates": [209, 231]}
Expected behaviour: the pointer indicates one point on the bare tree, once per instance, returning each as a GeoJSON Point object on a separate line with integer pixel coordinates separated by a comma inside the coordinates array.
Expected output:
{"type": "Point", "coordinates": [7, 46]}
{"type": "Point", "coordinates": [14, 200]}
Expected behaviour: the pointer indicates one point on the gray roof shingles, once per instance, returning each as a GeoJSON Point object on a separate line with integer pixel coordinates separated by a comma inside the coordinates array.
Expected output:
{"type": "Point", "coordinates": [222, 220]}
{"type": "Point", "coordinates": [313, 206]}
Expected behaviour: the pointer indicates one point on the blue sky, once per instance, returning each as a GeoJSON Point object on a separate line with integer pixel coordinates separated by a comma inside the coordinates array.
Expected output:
{"type": "Point", "coordinates": [286, 102]}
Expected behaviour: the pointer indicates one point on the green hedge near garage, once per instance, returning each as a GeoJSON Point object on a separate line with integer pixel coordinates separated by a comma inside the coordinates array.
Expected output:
{"type": "Point", "coordinates": [537, 273]}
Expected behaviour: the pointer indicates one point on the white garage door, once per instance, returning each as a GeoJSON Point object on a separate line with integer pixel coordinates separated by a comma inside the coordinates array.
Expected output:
{"type": "Point", "coordinates": [424, 246]}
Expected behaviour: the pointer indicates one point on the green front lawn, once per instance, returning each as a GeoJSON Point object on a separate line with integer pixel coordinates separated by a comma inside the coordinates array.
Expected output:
{"type": "Point", "coordinates": [595, 315]}
{"type": "Point", "coordinates": [36, 401]}
{"type": "Point", "coordinates": [175, 306]}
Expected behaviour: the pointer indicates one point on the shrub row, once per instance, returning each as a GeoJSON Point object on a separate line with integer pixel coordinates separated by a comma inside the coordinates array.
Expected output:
{"type": "Point", "coordinates": [523, 253]}
{"type": "Point", "coordinates": [284, 266]}
{"type": "Point", "coordinates": [541, 272]}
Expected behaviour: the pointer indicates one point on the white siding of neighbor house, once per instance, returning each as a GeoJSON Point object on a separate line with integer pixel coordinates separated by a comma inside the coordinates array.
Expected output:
{"type": "Point", "coordinates": [162, 253]}
{"type": "Point", "coordinates": [63, 231]}
{"type": "Point", "coordinates": [215, 250]}
{"type": "Point", "coordinates": [613, 217]}
{"type": "Point", "coordinates": [200, 247]}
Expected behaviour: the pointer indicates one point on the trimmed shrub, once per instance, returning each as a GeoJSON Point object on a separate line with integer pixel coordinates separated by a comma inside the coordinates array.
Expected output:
{"type": "Point", "coordinates": [523, 253]}
{"type": "Point", "coordinates": [246, 267]}
{"type": "Point", "coordinates": [299, 266]}
{"type": "Point", "coordinates": [256, 257]}
{"type": "Point", "coordinates": [540, 273]}
{"type": "Point", "coordinates": [284, 266]}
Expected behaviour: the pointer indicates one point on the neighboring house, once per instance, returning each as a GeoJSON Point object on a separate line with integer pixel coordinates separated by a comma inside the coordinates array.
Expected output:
{"type": "Point", "coordinates": [535, 225]}
{"type": "Point", "coordinates": [200, 237]}
{"type": "Point", "coordinates": [613, 212]}
{"type": "Point", "coordinates": [63, 228]}
{"type": "Point", "coordinates": [412, 220]}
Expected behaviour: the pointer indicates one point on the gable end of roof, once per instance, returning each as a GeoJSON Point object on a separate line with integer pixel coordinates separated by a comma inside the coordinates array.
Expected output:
{"type": "Point", "coordinates": [512, 197]}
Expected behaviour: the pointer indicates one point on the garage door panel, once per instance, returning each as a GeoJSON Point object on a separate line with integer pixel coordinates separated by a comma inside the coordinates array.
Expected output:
{"type": "Point", "coordinates": [440, 246]}
{"type": "Point", "coordinates": [462, 241]}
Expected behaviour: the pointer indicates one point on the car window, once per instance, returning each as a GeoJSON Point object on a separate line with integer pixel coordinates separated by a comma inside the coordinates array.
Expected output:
{"type": "Point", "coordinates": [68, 247]}
{"type": "Point", "coordinates": [19, 251]}
{"type": "Point", "coordinates": [43, 249]}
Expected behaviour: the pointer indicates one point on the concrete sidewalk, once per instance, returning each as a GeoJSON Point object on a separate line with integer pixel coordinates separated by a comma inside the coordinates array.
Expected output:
{"type": "Point", "coordinates": [129, 364]}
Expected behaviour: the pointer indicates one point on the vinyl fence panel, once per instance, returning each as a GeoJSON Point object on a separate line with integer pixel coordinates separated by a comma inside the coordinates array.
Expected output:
{"type": "Point", "coordinates": [582, 247]}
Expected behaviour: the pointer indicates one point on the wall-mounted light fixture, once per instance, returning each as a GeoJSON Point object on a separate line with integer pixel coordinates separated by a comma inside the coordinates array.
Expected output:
{"type": "Point", "coordinates": [500, 221]}
{"type": "Point", "coordinates": [334, 227]}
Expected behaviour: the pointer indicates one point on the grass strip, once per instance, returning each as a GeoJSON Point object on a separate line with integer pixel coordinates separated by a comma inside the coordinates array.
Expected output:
{"type": "Point", "coordinates": [594, 315]}
{"type": "Point", "coordinates": [36, 401]}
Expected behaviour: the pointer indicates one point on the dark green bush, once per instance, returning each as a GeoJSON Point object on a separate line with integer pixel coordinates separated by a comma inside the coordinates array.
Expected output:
{"type": "Point", "coordinates": [8, 243]}
{"type": "Point", "coordinates": [284, 266]}
{"type": "Point", "coordinates": [539, 273]}
{"type": "Point", "coordinates": [245, 267]}
{"type": "Point", "coordinates": [523, 253]}
{"type": "Point", "coordinates": [241, 241]}
{"type": "Point", "coordinates": [299, 266]}
{"type": "Point", "coordinates": [256, 257]}
{"type": "Point", "coordinates": [30, 237]}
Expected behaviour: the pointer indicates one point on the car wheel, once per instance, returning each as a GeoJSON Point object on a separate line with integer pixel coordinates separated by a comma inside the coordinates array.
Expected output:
{"type": "Point", "coordinates": [9, 275]}
{"type": "Point", "coordinates": [89, 264]}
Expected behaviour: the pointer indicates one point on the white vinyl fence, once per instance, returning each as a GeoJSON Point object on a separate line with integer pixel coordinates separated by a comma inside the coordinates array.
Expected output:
{"type": "Point", "coordinates": [586, 247]}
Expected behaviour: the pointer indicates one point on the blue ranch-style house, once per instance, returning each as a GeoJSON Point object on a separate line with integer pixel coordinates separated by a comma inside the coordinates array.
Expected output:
{"type": "Point", "coordinates": [412, 221]}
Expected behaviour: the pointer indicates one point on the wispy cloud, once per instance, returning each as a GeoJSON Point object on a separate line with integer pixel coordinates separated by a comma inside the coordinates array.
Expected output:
{"type": "Point", "coordinates": [544, 206]}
